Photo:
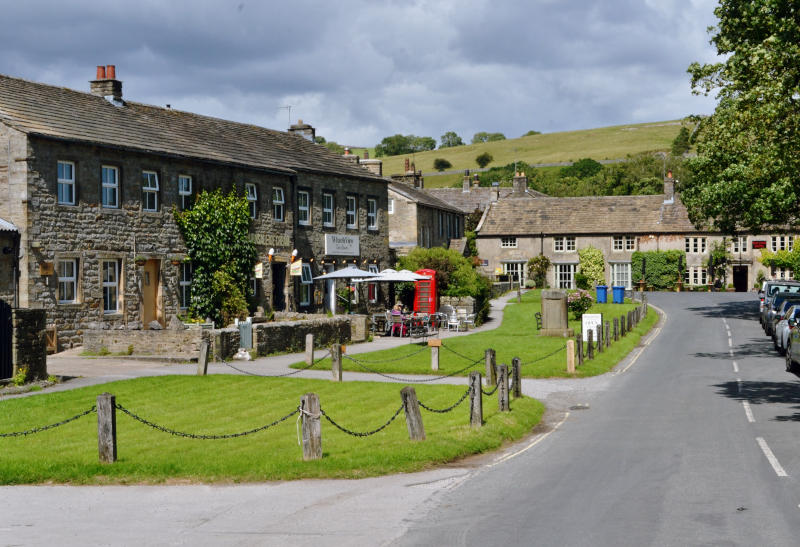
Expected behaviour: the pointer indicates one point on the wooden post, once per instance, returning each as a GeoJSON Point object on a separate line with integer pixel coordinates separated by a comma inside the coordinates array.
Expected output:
{"type": "Point", "coordinates": [590, 344]}
{"type": "Point", "coordinates": [607, 338]}
{"type": "Point", "coordinates": [600, 338]}
{"type": "Point", "coordinates": [571, 356]}
{"type": "Point", "coordinates": [516, 384]}
{"type": "Point", "coordinates": [336, 362]}
{"type": "Point", "coordinates": [519, 292]}
{"type": "Point", "coordinates": [416, 431]}
{"type": "Point", "coordinates": [202, 359]}
{"type": "Point", "coordinates": [107, 428]}
{"type": "Point", "coordinates": [435, 344]}
{"type": "Point", "coordinates": [616, 329]}
{"type": "Point", "coordinates": [309, 349]}
{"type": "Point", "coordinates": [644, 305]}
{"type": "Point", "coordinates": [491, 371]}
{"type": "Point", "coordinates": [312, 427]}
{"type": "Point", "coordinates": [475, 400]}
{"type": "Point", "coordinates": [502, 390]}
{"type": "Point", "coordinates": [621, 326]}
{"type": "Point", "coordinates": [579, 346]}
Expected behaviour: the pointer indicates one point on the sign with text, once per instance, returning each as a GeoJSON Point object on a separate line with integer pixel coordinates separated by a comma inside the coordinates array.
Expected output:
{"type": "Point", "coordinates": [590, 322]}
{"type": "Point", "coordinates": [271, 240]}
{"type": "Point", "coordinates": [757, 244]}
{"type": "Point", "coordinates": [339, 245]}
{"type": "Point", "coordinates": [259, 269]}
{"type": "Point", "coordinates": [296, 268]}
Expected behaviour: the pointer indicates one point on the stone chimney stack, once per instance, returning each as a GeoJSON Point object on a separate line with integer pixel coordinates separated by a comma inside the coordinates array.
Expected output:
{"type": "Point", "coordinates": [465, 183]}
{"type": "Point", "coordinates": [520, 185]}
{"type": "Point", "coordinates": [495, 191]}
{"type": "Point", "coordinates": [106, 84]}
{"type": "Point", "coordinates": [669, 188]}
{"type": "Point", "coordinates": [476, 181]}
{"type": "Point", "coordinates": [304, 130]}
{"type": "Point", "coordinates": [407, 166]}
{"type": "Point", "coordinates": [366, 154]}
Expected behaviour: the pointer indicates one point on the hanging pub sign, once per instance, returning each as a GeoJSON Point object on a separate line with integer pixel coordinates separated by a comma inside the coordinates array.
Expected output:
{"type": "Point", "coordinates": [296, 268]}
{"type": "Point", "coordinates": [759, 244]}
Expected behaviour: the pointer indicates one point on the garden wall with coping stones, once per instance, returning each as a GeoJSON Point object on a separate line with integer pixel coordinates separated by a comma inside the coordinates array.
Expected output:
{"type": "Point", "coordinates": [28, 343]}
{"type": "Point", "coordinates": [283, 336]}
{"type": "Point", "coordinates": [172, 343]}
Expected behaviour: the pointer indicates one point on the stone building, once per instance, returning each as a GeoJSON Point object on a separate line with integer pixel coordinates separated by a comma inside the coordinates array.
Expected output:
{"type": "Point", "coordinates": [512, 231]}
{"type": "Point", "coordinates": [471, 197]}
{"type": "Point", "coordinates": [92, 181]}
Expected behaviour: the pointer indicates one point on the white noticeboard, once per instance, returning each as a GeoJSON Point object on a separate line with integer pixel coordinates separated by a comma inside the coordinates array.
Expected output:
{"type": "Point", "coordinates": [590, 321]}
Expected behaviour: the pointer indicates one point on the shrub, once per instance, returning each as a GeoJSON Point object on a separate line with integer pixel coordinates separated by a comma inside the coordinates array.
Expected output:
{"type": "Point", "coordinates": [440, 164]}
{"type": "Point", "coordinates": [20, 377]}
{"type": "Point", "coordinates": [484, 159]}
{"type": "Point", "coordinates": [579, 302]}
{"type": "Point", "coordinates": [582, 281]}
{"type": "Point", "coordinates": [592, 266]}
{"type": "Point", "coordinates": [537, 270]}
{"type": "Point", "coordinates": [662, 267]}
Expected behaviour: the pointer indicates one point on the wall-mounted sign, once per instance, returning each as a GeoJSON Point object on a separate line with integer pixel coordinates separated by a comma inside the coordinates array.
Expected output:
{"type": "Point", "coordinates": [759, 244]}
{"type": "Point", "coordinates": [339, 245]}
{"type": "Point", "coordinates": [46, 268]}
{"type": "Point", "coordinates": [259, 269]}
{"type": "Point", "coordinates": [271, 240]}
{"type": "Point", "coordinates": [590, 322]}
{"type": "Point", "coordinates": [296, 268]}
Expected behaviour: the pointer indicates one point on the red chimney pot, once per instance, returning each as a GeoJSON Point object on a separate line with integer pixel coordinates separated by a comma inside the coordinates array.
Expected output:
{"type": "Point", "coordinates": [101, 73]}
{"type": "Point", "coordinates": [111, 72]}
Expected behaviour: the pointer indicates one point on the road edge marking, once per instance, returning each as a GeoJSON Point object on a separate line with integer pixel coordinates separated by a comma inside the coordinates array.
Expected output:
{"type": "Point", "coordinates": [773, 461]}
{"type": "Point", "coordinates": [748, 412]}
{"type": "Point", "coordinates": [530, 445]}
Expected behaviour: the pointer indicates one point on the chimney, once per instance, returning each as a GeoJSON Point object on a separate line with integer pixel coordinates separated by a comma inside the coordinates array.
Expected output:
{"type": "Point", "coordinates": [669, 188]}
{"type": "Point", "coordinates": [407, 166]}
{"type": "Point", "coordinates": [520, 185]}
{"type": "Point", "coordinates": [495, 191]}
{"type": "Point", "coordinates": [106, 85]}
{"type": "Point", "coordinates": [366, 154]}
{"type": "Point", "coordinates": [304, 130]}
{"type": "Point", "coordinates": [346, 151]}
{"type": "Point", "coordinates": [465, 182]}
{"type": "Point", "coordinates": [476, 181]}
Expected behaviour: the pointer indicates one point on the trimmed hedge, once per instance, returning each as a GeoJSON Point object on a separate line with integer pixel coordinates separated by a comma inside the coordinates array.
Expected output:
{"type": "Point", "coordinates": [661, 271]}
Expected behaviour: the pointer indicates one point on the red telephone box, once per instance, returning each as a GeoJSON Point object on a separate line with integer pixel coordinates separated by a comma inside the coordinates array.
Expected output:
{"type": "Point", "coordinates": [425, 296]}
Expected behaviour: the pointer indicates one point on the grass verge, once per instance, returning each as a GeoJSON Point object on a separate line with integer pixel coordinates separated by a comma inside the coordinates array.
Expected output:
{"type": "Point", "coordinates": [222, 404]}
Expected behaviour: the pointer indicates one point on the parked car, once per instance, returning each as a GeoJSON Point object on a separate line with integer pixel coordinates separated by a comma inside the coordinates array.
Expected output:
{"type": "Point", "coordinates": [774, 308]}
{"type": "Point", "coordinates": [771, 288]}
{"type": "Point", "coordinates": [783, 328]}
{"type": "Point", "coordinates": [793, 346]}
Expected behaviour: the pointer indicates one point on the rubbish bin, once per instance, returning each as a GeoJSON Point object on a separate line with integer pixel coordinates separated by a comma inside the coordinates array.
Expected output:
{"type": "Point", "coordinates": [618, 295]}
{"type": "Point", "coordinates": [602, 294]}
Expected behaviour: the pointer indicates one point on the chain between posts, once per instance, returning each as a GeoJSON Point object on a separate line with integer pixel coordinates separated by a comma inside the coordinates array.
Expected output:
{"type": "Point", "coordinates": [356, 433]}
{"type": "Point", "coordinates": [203, 437]}
{"type": "Point", "coordinates": [424, 348]}
{"type": "Point", "coordinates": [307, 367]}
{"type": "Point", "coordinates": [543, 357]}
{"type": "Point", "coordinates": [449, 408]}
{"type": "Point", "coordinates": [490, 393]}
{"type": "Point", "coordinates": [50, 426]}
{"type": "Point", "coordinates": [448, 348]}
{"type": "Point", "coordinates": [411, 380]}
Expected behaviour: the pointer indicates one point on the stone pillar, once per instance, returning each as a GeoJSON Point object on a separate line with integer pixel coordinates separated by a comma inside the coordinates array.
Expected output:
{"type": "Point", "coordinates": [554, 314]}
{"type": "Point", "coordinates": [28, 342]}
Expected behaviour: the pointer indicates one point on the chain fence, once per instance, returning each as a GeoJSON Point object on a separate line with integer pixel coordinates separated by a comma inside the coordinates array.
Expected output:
{"type": "Point", "coordinates": [449, 408]}
{"type": "Point", "coordinates": [411, 380]}
{"type": "Point", "coordinates": [292, 373]}
{"type": "Point", "coordinates": [451, 350]}
{"type": "Point", "coordinates": [50, 426]}
{"type": "Point", "coordinates": [492, 392]}
{"type": "Point", "coordinates": [543, 357]}
{"type": "Point", "coordinates": [361, 434]}
{"type": "Point", "coordinates": [424, 348]}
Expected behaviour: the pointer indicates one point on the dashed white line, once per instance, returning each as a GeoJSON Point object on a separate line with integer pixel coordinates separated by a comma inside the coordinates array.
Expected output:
{"type": "Point", "coordinates": [730, 342]}
{"type": "Point", "coordinates": [773, 461]}
{"type": "Point", "coordinates": [735, 366]}
{"type": "Point", "coordinates": [748, 412]}
{"type": "Point", "coordinates": [731, 352]}
{"type": "Point", "coordinates": [738, 385]}
{"type": "Point", "coordinates": [725, 322]}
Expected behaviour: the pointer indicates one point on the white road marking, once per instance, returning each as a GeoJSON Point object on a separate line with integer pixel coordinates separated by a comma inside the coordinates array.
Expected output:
{"type": "Point", "coordinates": [773, 461]}
{"type": "Point", "coordinates": [739, 385]}
{"type": "Point", "coordinates": [730, 342]}
{"type": "Point", "coordinates": [530, 445]}
{"type": "Point", "coordinates": [748, 412]}
{"type": "Point", "coordinates": [725, 321]}
{"type": "Point", "coordinates": [731, 352]}
{"type": "Point", "coordinates": [735, 367]}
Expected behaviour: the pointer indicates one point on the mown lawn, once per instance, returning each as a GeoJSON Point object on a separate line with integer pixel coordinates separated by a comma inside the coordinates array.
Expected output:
{"type": "Point", "coordinates": [221, 404]}
{"type": "Point", "coordinates": [541, 357]}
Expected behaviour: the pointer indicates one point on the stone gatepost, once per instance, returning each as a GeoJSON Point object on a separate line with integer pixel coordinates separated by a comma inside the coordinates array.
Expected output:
{"type": "Point", "coordinates": [554, 314]}
{"type": "Point", "coordinates": [28, 343]}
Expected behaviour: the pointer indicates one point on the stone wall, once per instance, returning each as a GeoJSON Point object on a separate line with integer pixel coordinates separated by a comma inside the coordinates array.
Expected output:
{"type": "Point", "coordinates": [28, 343]}
{"type": "Point", "coordinates": [171, 343]}
{"type": "Point", "coordinates": [290, 336]}
{"type": "Point", "coordinates": [458, 302]}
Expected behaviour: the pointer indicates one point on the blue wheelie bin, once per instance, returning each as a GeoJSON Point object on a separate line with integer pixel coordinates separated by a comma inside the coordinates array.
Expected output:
{"type": "Point", "coordinates": [602, 294]}
{"type": "Point", "coordinates": [618, 295]}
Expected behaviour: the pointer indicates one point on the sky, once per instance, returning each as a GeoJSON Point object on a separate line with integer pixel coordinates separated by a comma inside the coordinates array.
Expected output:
{"type": "Point", "coordinates": [359, 71]}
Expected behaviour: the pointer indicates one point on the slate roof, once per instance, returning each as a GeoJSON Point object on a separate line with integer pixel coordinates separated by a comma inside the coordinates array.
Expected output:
{"type": "Point", "coordinates": [476, 198]}
{"type": "Point", "coordinates": [422, 196]}
{"type": "Point", "coordinates": [6, 226]}
{"type": "Point", "coordinates": [585, 215]}
{"type": "Point", "coordinates": [61, 113]}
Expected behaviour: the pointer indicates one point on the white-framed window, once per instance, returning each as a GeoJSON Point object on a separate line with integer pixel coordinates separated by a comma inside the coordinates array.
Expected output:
{"type": "Point", "coordinates": [563, 244]}
{"type": "Point", "coordinates": [185, 192]}
{"type": "Point", "coordinates": [695, 244]}
{"type": "Point", "coordinates": [352, 212]}
{"type": "Point", "coordinates": [621, 274]}
{"type": "Point", "coordinates": [185, 285]}
{"type": "Point", "coordinates": [66, 183]}
{"type": "Point", "coordinates": [565, 276]}
{"type": "Point", "coordinates": [372, 288]}
{"type": "Point", "coordinates": [738, 244]}
{"type": "Point", "coordinates": [782, 273]}
{"type": "Point", "coordinates": [67, 271]}
{"type": "Point", "coordinates": [696, 275]}
{"type": "Point", "coordinates": [278, 203]}
{"type": "Point", "coordinates": [110, 277]}
{"type": "Point", "coordinates": [328, 216]}
{"type": "Point", "coordinates": [149, 191]}
{"type": "Point", "coordinates": [303, 208]}
{"type": "Point", "coordinates": [306, 285]}
{"type": "Point", "coordinates": [251, 192]}
{"type": "Point", "coordinates": [508, 242]}
{"type": "Point", "coordinates": [515, 271]}
{"type": "Point", "coordinates": [390, 207]}
{"type": "Point", "coordinates": [624, 243]}
{"type": "Point", "coordinates": [372, 214]}
{"type": "Point", "coordinates": [782, 243]}
{"type": "Point", "coordinates": [109, 177]}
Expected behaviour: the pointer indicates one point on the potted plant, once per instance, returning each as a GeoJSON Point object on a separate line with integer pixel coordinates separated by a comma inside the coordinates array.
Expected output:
{"type": "Point", "coordinates": [139, 260]}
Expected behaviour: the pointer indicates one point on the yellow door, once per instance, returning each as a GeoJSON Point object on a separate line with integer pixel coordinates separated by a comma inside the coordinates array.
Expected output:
{"type": "Point", "coordinates": [151, 293]}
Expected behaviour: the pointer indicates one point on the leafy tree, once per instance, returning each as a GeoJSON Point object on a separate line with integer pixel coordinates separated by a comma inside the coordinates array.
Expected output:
{"type": "Point", "coordinates": [681, 143]}
{"type": "Point", "coordinates": [718, 260]}
{"type": "Point", "coordinates": [484, 159]}
{"type": "Point", "coordinates": [450, 139]}
{"type": "Point", "coordinates": [592, 265]}
{"type": "Point", "coordinates": [582, 168]}
{"type": "Point", "coordinates": [334, 147]}
{"type": "Point", "coordinates": [483, 136]}
{"type": "Point", "coordinates": [404, 144]}
{"type": "Point", "coordinates": [216, 233]}
{"type": "Point", "coordinates": [421, 144]}
{"type": "Point", "coordinates": [745, 172]}
{"type": "Point", "coordinates": [531, 133]}
{"type": "Point", "coordinates": [440, 164]}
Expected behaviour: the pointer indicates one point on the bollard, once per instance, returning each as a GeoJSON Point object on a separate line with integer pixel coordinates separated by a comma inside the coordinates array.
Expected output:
{"type": "Point", "coordinates": [579, 345]}
{"type": "Point", "coordinates": [516, 383]}
{"type": "Point", "coordinates": [435, 344]}
{"type": "Point", "coordinates": [475, 400]}
{"type": "Point", "coordinates": [606, 338]}
{"type": "Point", "coordinates": [616, 329]}
{"type": "Point", "coordinates": [600, 338]}
{"type": "Point", "coordinates": [336, 362]}
{"type": "Point", "coordinates": [202, 359]}
{"type": "Point", "coordinates": [309, 349]}
{"type": "Point", "coordinates": [312, 427]}
{"type": "Point", "coordinates": [416, 431]}
{"type": "Point", "coordinates": [491, 371]}
{"type": "Point", "coordinates": [107, 428]}
{"type": "Point", "coordinates": [503, 404]}
{"type": "Point", "coordinates": [571, 356]}
{"type": "Point", "coordinates": [590, 344]}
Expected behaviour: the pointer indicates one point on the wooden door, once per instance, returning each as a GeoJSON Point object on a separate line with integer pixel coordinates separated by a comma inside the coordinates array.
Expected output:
{"type": "Point", "coordinates": [151, 293]}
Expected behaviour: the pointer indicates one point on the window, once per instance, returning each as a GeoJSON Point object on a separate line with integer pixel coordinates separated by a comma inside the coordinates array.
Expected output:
{"type": "Point", "coordinates": [372, 288]}
{"type": "Point", "coordinates": [390, 208]}
{"type": "Point", "coordinates": [149, 191]}
{"type": "Point", "coordinates": [185, 192]}
{"type": "Point", "coordinates": [352, 212]}
{"type": "Point", "coordinates": [110, 272]}
{"type": "Point", "coordinates": [565, 276]}
{"type": "Point", "coordinates": [782, 273]}
{"type": "Point", "coordinates": [738, 244]}
{"type": "Point", "coordinates": [66, 183]}
{"type": "Point", "coordinates": [306, 285]}
{"type": "Point", "coordinates": [328, 218]}
{"type": "Point", "coordinates": [621, 274]}
{"type": "Point", "coordinates": [782, 243]}
{"type": "Point", "coordinates": [698, 275]}
{"type": "Point", "coordinates": [303, 208]}
{"type": "Point", "coordinates": [515, 271]}
{"type": "Point", "coordinates": [563, 244]}
{"type": "Point", "coordinates": [508, 242]}
{"type": "Point", "coordinates": [67, 281]}
{"type": "Point", "coordinates": [372, 214]}
{"type": "Point", "coordinates": [695, 244]}
{"type": "Point", "coordinates": [251, 192]}
{"type": "Point", "coordinates": [185, 285]}
{"type": "Point", "coordinates": [624, 243]}
{"type": "Point", "coordinates": [277, 204]}
{"type": "Point", "coordinates": [110, 180]}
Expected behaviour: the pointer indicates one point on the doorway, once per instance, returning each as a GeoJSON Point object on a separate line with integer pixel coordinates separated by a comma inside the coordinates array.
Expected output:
{"type": "Point", "coordinates": [740, 278]}
{"type": "Point", "coordinates": [278, 286]}
{"type": "Point", "coordinates": [151, 293]}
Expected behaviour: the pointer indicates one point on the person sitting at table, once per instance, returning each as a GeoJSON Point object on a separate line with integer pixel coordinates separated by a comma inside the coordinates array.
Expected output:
{"type": "Point", "coordinates": [396, 311]}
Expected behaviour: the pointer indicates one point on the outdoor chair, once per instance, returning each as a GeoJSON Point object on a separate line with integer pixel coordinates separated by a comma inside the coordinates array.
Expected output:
{"type": "Point", "coordinates": [454, 321]}
{"type": "Point", "coordinates": [398, 325]}
{"type": "Point", "coordinates": [466, 318]}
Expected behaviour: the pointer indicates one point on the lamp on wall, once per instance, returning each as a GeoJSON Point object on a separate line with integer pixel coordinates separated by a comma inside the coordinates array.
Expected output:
{"type": "Point", "coordinates": [294, 255]}
{"type": "Point", "coordinates": [270, 254]}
